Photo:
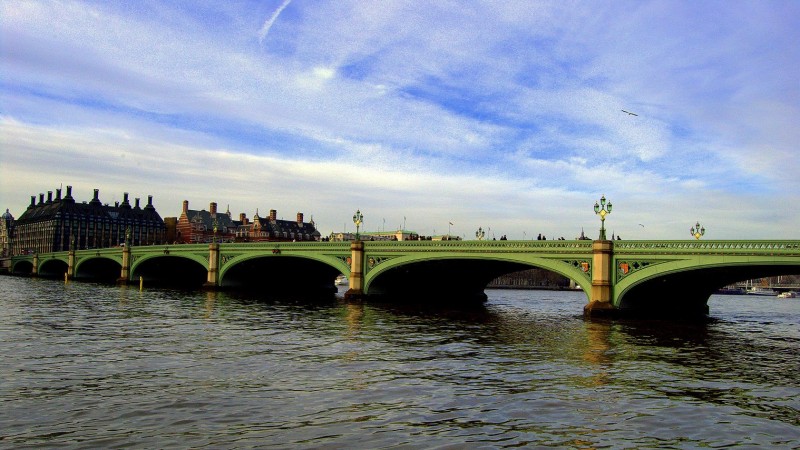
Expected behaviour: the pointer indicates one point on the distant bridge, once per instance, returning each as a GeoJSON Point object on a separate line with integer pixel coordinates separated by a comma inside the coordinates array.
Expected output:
{"type": "Point", "coordinates": [669, 277]}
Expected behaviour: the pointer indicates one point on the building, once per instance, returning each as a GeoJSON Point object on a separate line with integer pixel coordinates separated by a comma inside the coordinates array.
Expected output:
{"type": "Point", "coordinates": [58, 224]}
{"type": "Point", "coordinates": [6, 233]}
{"type": "Point", "coordinates": [195, 226]}
{"type": "Point", "coordinates": [399, 235]}
{"type": "Point", "coordinates": [264, 229]}
{"type": "Point", "coordinates": [201, 226]}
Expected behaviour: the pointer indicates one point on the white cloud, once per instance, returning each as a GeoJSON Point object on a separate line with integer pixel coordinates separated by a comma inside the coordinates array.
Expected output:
{"type": "Point", "coordinates": [448, 110]}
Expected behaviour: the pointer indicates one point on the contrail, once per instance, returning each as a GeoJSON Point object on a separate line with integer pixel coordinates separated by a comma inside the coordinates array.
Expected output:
{"type": "Point", "coordinates": [268, 24]}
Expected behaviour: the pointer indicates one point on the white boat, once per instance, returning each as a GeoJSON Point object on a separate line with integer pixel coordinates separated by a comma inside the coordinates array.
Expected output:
{"type": "Point", "coordinates": [341, 280]}
{"type": "Point", "coordinates": [788, 294]}
{"type": "Point", "coordinates": [756, 290]}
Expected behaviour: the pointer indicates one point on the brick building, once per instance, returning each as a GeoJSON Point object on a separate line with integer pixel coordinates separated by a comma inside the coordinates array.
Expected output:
{"type": "Point", "coordinates": [197, 226]}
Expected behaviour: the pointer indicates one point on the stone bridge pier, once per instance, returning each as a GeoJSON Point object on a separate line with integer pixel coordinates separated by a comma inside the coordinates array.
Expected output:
{"type": "Point", "coordinates": [601, 295]}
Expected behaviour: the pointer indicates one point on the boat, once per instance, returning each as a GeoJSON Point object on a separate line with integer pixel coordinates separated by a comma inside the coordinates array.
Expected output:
{"type": "Point", "coordinates": [341, 280]}
{"type": "Point", "coordinates": [787, 294]}
{"type": "Point", "coordinates": [757, 290]}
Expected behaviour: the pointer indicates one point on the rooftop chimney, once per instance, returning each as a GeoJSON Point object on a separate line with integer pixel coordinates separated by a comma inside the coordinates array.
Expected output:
{"type": "Point", "coordinates": [49, 196]}
{"type": "Point", "coordinates": [212, 208]}
{"type": "Point", "coordinates": [69, 193]}
{"type": "Point", "coordinates": [273, 215]}
{"type": "Point", "coordinates": [33, 200]}
{"type": "Point", "coordinates": [58, 194]}
{"type": "Point", "coordinates": [300, 219]}
{"type": "Point", "coordinates": [125, 202]}
{"type": "Point", "coordinates": [243, 218]}
{"type": "Point", "coordinates": [41, 198]}
{"type": "Point", "coordinates": [137, 203]}
{"type": "Point", "coordinates": [186, 206]}
{"type": "Point", "coordinates": [96, 200]}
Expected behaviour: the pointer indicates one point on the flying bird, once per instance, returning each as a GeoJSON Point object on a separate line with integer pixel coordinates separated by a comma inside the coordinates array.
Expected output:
{"type": "Point", "coordinates": [628, 112]}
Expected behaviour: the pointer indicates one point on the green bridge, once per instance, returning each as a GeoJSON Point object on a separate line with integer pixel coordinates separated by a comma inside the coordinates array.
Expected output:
{"type": "Point", "coordinates": [662, 277]}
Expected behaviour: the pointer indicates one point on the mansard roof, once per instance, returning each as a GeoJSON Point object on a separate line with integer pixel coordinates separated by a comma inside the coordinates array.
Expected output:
{"type": "Point", "coordinates": [286, 226]}
{"type": "Point", "coordinates": [205, 217]}
{"type": "Point", "coordinates": [59, 207]}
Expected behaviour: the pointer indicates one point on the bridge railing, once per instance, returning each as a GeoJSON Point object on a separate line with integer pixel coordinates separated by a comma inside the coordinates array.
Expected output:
{"type": "Point", "coordinates": [542, 246]}
{"type": "Point", "coordinates": [708, 247]}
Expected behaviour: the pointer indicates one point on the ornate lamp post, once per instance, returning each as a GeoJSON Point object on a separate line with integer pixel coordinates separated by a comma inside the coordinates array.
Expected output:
{"type": "Point", "coordinates": [128, 236]}
{"type": "Point", "coordinates": [215, 231]}
{"type": "Point", "coordinates": [697, 231]}
{"type": "Point", "coordinates": [358, 218]}
{"type": "Point", "coordinates": [480, 234]}
{"type": "Point", "coordinates": [603, 209]}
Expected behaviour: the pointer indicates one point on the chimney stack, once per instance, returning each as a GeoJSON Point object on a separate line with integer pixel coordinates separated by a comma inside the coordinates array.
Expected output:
{"type": "Point", "coordinates": [273, 215]}
{"type": "Point", "coordinates": [137, 202]}
{"type": "Point", "coordinates": [186, 207]}
{"type": "Point", "coordinates": [69, 193]}
{"type": "Point", "coordinates": [212, 208]}
{"type": "Point", "coordinates": [243, 218]}
{"type": "Point", "coordinates": [49, 196]}
{"type": "Point", "coordinates": [300, 219]}
{"type": "Point", "coordinates": [33, 200]}
{"type": "Point", "coordinates": [41, 198]}
{"type": "Point", "coordinates": [58, 194]}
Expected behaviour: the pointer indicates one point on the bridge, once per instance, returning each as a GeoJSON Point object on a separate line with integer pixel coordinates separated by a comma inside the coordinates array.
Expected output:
{"type": "Point", "coordinates": [653, 277]}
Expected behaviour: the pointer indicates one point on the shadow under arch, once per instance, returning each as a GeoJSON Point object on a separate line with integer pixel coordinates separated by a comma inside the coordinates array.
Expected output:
{"type": "Point", "coordinates": [281, 275]}
{"type": "Point", "coordinates": [53, 268]}
{"type": "Point", "coordinates": [170, 271]}
{"type": "Point", "coordinates": [447, 279]}
{"type": "Point", "coordinates": [22, 268]}
{"type": "Point", "coordinates": [686, 292]}
{"type": "Point", "coordinates": [100, 269]}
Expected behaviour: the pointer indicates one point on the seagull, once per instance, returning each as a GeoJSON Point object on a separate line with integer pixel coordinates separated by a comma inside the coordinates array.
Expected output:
{"type": "Point", "coordinates": [628, 112]}
{"type": "Point", "coordinates": [641, 225]}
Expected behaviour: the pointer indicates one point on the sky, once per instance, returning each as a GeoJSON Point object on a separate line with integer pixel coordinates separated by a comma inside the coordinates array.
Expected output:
{"type": "Point", "coordinates": [440, 117]}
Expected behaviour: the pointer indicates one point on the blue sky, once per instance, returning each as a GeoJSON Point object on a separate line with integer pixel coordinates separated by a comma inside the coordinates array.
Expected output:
{"type": "Point", "coordinates": [501, 115]}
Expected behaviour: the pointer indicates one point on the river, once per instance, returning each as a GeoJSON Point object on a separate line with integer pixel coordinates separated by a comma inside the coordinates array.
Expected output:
{"type": "Point", "coordinates": [92, 366]}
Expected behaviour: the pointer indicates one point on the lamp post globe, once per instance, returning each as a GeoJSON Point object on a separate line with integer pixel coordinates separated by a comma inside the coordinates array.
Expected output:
{"type": "Point", "coordinates": [697, 231]}
{"type": "Point", "coordinates": [358, 218]}
{"type": "Point", "coordinates": [480, 234]}
{"type": "Point", "coordinates": [602, 209]}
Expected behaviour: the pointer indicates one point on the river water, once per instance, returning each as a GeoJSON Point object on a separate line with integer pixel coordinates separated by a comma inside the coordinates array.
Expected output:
{"type": "Point", "coordinates": [92, 366]}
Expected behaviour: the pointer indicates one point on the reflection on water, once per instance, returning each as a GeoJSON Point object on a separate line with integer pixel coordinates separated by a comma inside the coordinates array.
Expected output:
{"type": "Point", "coordinates": [102, 366]}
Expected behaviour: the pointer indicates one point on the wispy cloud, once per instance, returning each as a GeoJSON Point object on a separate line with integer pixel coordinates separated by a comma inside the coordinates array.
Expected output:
{"type": "Point", "coordinates": [471, 112]}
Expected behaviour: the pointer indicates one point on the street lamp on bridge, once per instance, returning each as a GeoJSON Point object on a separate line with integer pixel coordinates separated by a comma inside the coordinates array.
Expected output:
{"type": "Point", "coordinates": [697, 231]}
{"type": "Point", "coordinates": [603, 209]}
{"type": "Point", "coordinates": [357, 219]}
{"type": "Point", "coordinates": [480, 234]}
{"type": "Point", "coordinates": [215, 230]}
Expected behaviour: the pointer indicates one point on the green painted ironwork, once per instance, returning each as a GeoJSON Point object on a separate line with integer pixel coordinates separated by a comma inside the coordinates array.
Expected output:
{"type": "Point", "coordinates": [633, 262]}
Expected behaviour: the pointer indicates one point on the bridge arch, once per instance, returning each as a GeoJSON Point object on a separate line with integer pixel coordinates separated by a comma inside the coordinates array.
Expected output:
{"type": "Point", "coordinates": [98, 268]}
{"type": "Point", "coordinates": [282, 273]}
{"type": "Point", "coordinates": [22, 267]}
{"type": "Point", "coordinates": [171, 269]}
{"type": "Point", "coordinates": [459, 276]}
{"type": "Point", "coordinates": [683, 287]}
{"type": "Point", "coordinates": [53, 267]}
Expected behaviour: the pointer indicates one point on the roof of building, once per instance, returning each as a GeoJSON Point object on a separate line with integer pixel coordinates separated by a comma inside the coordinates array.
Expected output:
{"type": "Point", "coordinates": [207, 219]}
